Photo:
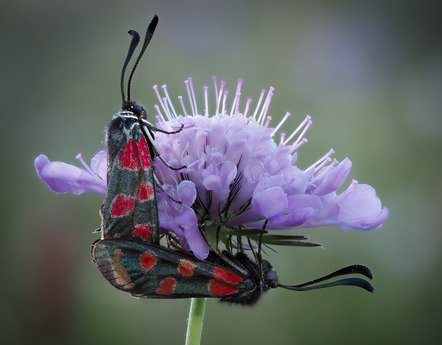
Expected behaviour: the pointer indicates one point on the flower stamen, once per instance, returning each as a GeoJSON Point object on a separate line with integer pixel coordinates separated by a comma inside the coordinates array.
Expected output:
{"type": "Point", "coordinates": [169, 101]}
{"type": "Point", "coordinates": [265, 106]}
{"type": "Point", "coordinates": [88, 169]}
{"type": "Point", "coordinates": [321, 161]}
{"type": "Point", "coordinates": [283, 120]}
{"type": "Point", "coordinates": [236, 99]}
{"type": "Point", "coordinates": [306, 124]}
{"type": "Point", "coordinates": [246, 110]}
{"type": "Point", "coordinates": [182, 105]}
{"type": "Point", "coordinates": [263, 91]}
{"type": "Point", "coordinates": [206, 100]}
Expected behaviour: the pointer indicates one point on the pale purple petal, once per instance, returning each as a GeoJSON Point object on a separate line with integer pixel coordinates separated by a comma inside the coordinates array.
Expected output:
{"type": "Point", "coordinates": [301, 208]}
{"type": "Point", "coordinates": [360, 208]}
{"type": "Point", "coordinates": [333, 179]}
{"type": "Point", "coordinates": [270, 202]}
{"type": "Point", "coordinates": [66, 178]}
{"type": "Point", "coordinates": [99, 164]}
{"type": "Point", "coordinates": [176, 216]}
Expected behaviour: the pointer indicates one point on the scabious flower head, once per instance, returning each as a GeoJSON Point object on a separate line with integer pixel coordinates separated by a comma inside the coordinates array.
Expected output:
{"type": "Point", "coordinates": [240, 174]}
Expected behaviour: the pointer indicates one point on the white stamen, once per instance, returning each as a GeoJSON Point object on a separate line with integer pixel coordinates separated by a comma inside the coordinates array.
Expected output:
{"type": "Point", "coordinates": [266, 125]}
{"type": "Point", "coordinates": [266, 105]}
{"type": "Point", "coordinates": [326, 169]}
{"type": "Point", "coordinates": [320, 160]}
{"type": "Point", "coordinates": [236, 99]}
{"type": "Point", "coordinates": [263, 91]}
{"type": "Point", "coordinates": [193, 96]}
{"type": "Point", "coordinates": [88, 169]}
{"type": "Point", "coordinates": [157, 108]}
{"type": "Point", "coordinates": [162, 102]}
{"type": "Point", "coordinates": [307, 123]}
{"type": "Point", "coordinates": [263, 109]}
{"type": "Point", "coordinates": [219, 96]}
{"type": "Point", "coordinates": [155, 87]}
{"type": "Point", "coordinates": [297, 145]}
{"type": "Point", "coordinates": [189, 96]}
{"type": "Point", "coordinates": [206, 100]}
{"type": "Point", "coordinates": [180, 98]}
{"type": "Point", "coordinates": [215, 86]}
{"type": "Point", "coordinates": [284, 119]}
{"type": "Point", "coordinates": [246, 110]}
{"type": "Point", "coordinates": [167, 109]}
{"type": "Point", "coordinates": [224, 102]}
{"type": "Point", "coordinates": [169, 101]}
{"type": "Point", "coordinates": [353, 183]}
{"type": "Point", "coordinates": [282, 138]}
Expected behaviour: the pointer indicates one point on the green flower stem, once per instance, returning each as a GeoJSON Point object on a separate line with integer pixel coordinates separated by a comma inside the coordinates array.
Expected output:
{"type": "Point", "coordinates": [195, 322]}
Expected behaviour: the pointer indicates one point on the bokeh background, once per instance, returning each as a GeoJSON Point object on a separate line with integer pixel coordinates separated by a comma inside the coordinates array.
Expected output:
{"type": "Point", "coordinates": [369, 73]}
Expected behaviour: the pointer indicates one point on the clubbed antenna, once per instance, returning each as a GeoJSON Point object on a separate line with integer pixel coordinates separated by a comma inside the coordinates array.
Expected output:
{"type": "Point", "coordinates": [353, 269]}
{"type": "Point", "coordinates": [133, 44]}
{"type": "Point", "coordinates": [147, 38]}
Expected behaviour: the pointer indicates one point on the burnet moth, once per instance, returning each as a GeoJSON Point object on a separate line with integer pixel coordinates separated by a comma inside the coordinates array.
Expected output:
{"type": "Point", "coordinates": [146, 270]}
{"type": "Point", "coordinates": [130, 209]}
{"type": "Point", "coordinates": [129, 254]}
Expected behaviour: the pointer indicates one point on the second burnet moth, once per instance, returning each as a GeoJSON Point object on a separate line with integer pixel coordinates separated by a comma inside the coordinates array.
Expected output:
{"type": "Point", "coordinates": [147, 270]}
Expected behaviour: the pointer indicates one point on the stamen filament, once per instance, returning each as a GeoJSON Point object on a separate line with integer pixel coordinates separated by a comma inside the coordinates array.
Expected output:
{"type": "Point", "coordinates": [88, 169]}
{"type": "Point", "coordinates": [303, 123]}
{"type": "Point", "coordinates": [180, 98]}
{"type": "Point", "coordinates": [283, 120]}
{"type": "Point", "coordinates": [169, 101]}
{"type": "Point", "coordinates": [206, 100]}
{"type": "Point", "coordinates": [320, 160]}
{"type": "Point", "coordinates": [263, 91]}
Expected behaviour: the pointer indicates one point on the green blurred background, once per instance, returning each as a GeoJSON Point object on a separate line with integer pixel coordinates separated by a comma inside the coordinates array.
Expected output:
{"type": "Point", "coordinates": [370, 74]}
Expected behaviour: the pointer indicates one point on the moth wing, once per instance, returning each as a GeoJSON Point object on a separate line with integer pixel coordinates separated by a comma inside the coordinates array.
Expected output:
{"type": "Point", "coordinates": [146, 270]}
{"type": "Point", "coordinates": [129, 209]}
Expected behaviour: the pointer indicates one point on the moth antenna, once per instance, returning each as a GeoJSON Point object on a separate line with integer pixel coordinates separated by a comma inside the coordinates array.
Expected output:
{"type": "Point", "coordinates": [147, 38]}
{"type": "Point", "coordinates": [133, 44]}
{"type": "Point", "coordinates": [352, 269]}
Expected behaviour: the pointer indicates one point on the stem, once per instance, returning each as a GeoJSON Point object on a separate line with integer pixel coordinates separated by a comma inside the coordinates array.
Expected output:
{"type": "Point", "coordinates": [195, 322]}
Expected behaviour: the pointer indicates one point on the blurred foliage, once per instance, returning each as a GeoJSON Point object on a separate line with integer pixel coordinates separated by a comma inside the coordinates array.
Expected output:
{"type": "Point", "coordinates": [370, 74]}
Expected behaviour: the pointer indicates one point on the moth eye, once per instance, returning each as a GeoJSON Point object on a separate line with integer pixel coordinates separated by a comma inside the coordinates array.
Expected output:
{"type": "Point", "coordinates": [137, 109]}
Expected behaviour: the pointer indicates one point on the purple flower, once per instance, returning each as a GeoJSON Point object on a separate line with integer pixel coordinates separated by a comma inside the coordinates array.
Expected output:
{"type": "Point", "coordinates": [238, 175]}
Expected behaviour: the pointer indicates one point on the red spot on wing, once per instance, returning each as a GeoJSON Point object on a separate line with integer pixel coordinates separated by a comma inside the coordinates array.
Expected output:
{"type": "Point", "coordinates": [147, 261]}
{"type": "Point", "coordinates": [227, 275]}
{"type": "Point", "coordinates": [143, 231]}
{"type": "Point", "coordinates": [122, 205]}
{"type": "Point", "coordinates": [145, 192]}
{"type": "Point", "coordinates": [135, 155]}
{"type": "Point", "coordinates": [144, 153]}
{"type": "Point", "coordinates": [186, 267]}
{"type": "Point", "coordinates": [167, 286]}
{"type": "Point", "coordinates": [218, 288]}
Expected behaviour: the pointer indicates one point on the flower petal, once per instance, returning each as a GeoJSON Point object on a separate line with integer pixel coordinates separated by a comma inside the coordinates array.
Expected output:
{"type": "Point", "coordinates": [99, 164]}
{"type": "Point", "coordinates": [360, 208]}
{"type": "Point", "coordinates": [66, 178]}
{"type": "Point", "coordinates": [333, 179]}
{"type": "Point", "coordinates": [270, 202]}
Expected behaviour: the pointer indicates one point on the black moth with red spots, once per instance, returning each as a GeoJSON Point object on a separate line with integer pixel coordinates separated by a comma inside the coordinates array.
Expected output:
{"type": "Point", "coordinates": [146, 270]}
{"type": "Point", "coordinates": [130, 208]}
